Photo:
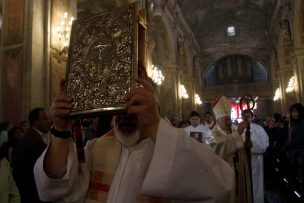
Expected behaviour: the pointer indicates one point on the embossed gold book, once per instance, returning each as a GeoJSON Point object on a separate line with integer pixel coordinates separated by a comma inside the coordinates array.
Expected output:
{"type": "Point", "coordinates": [103, 60]}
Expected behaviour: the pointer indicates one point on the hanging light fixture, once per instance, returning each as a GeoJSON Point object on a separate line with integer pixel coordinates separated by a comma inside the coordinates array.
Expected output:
{"type": "Point", "coordinates": [64, 31]}
{"type": "Point", "coordinates": [277, 94]}
{"type": "Point", "coordinates": [157, 75]}
{"type": "Point", "coordinates": [291, 85]}
{"type": "Point", "coordinates": [197, 100]}
{"type": "Point", "coordinates": [182, 92]}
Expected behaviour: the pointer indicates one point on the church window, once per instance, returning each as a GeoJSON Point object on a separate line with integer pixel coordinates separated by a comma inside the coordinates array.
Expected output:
{"type": "Point", "coordinates": [231, 31]}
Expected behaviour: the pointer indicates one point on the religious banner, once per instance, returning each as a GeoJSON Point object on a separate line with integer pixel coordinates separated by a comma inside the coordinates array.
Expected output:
{"type": "Point", "coordinates": [103, 60]}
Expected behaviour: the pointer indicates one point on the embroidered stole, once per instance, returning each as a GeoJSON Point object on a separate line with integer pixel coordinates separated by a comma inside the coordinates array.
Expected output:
{"type": "Point", "coordinates": [105, 154]}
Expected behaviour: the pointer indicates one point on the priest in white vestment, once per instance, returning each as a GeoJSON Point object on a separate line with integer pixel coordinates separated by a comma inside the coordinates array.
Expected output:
{"type": "Point", "coordinates": [144, 159]}
{"type": "Point", "coordinates": [260, 142]}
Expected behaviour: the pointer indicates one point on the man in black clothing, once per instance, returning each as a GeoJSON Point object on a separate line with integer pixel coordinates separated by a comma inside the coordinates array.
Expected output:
{"type": "Point", "coordinates": [27, 152]}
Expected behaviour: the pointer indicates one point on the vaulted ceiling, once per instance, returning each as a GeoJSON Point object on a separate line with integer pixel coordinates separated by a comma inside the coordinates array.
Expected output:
{"type": "Point", "coordinates": [206, 16]}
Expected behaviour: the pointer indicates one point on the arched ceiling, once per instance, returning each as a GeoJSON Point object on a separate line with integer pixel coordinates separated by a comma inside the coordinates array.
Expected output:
{"type": "Point", "coordinates": [205, 16]}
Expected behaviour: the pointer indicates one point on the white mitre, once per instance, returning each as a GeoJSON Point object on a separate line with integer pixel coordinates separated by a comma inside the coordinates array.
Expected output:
{"type": "Point", "coordinates": [222, 107]}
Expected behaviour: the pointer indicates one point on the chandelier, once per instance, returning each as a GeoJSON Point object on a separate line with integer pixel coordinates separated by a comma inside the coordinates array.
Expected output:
{"type": "Point", "coordinates": [182, 92]}
{"type": "Point", "coordinates": [277, 95]}
{"type": "Point", "coordinates": [291, 85]}
{"type": "Point", "coordinates": [157, 75]}
{"type": "Point", "coordinates": [197, 100]}
{"type": "Point", "coordinates": [64, 31]}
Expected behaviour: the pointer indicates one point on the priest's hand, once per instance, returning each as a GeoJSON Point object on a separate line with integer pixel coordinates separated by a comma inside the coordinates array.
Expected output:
{"type": "Point", "coordinates": [61, 106]}
{"type": "Point", "coordinates": [242, 126]}
{"type": "Point", "coordinates": [57, 153]}
{"type": "Point", "coordinates": [142, 102]}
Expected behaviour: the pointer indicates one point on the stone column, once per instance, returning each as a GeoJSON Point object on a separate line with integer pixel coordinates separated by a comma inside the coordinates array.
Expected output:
{"type": "Point", "coordinates": [13, 60]}
{"type": "Point", "coordinates": [298, 62]}
{"type": "Point", "coordinates": [188, 103]}
{"type": "Point", "coordinates": [38, 37]}
{"type": "Point", "coordinates": [170, 88]}
{"type": "Point", "coordinates": [300, 78]}
{"type": "Point", "coordinates": [283, 85]}
{"type": "Point", "coordinates": [25, 72]}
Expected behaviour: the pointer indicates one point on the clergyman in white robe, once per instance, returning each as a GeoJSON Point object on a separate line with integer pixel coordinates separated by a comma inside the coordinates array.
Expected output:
{"type": "Point", "coordinates": [175, 167]}
{"type": "Point", "coordinates": [260, 142]}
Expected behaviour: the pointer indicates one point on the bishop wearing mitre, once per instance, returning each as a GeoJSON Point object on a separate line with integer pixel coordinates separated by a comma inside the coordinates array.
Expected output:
{"type": "Point", "coordinates": [227, 142]}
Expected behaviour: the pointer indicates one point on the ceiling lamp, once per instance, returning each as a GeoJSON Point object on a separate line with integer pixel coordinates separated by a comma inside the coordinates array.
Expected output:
{"type": "Point", "coordinates": [291, 85]}
{"type": "Point", "coordinates": [157, 75]}
{"type": "Point", "coordinates": [197, 100]}
{"type": "Point", "coordinates": [182, 92]}
{"type": "Point", "coordinates": [277, 95]}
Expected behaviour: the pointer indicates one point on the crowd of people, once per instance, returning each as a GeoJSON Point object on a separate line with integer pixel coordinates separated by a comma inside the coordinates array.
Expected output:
{"type": "Point", "coordinates": [137, 156]}
{"type": "Point", "coordinates": [21, 146]}
{"type": "Point", "coordinates": [276, 139]}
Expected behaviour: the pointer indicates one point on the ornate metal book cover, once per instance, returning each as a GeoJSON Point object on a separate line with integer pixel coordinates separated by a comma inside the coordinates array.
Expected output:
{"type": "Point", "coordinates": [102, 60]}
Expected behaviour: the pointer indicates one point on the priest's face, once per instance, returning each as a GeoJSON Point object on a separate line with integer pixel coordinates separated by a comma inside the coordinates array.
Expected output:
{"type": "Point", "coordinates": [225, 123]}
{"type": "Point", "coordinates": [126, 129]}
{"type": "Point", "coordinates": [126, 123]}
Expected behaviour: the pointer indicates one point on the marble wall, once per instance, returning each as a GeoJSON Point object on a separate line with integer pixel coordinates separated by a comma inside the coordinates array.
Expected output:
{"type": "Point", "coordinates": [12, 60]}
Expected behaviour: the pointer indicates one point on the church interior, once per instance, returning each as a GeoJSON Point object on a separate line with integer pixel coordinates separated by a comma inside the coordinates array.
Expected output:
{"type": "Point", "coordinates": [196, 52]}
{"type": "Point", "coordinates": [202, 49]}
{"type": "Point", "coordinates": [199, 50]}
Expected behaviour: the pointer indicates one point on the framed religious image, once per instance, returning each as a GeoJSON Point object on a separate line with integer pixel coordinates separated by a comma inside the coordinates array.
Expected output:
{"type": "Point", "coordinates": [197, 135]}
{"type": "Point", "coordinates": [103, 61]}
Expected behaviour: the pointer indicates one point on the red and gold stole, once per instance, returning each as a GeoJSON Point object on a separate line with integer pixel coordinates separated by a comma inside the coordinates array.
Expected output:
{"type": "Point", "coordinates": [105, 154]}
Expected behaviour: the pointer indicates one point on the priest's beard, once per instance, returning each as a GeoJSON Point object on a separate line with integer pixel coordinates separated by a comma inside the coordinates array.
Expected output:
{"type": "Point", "coordinates": [126, 130]}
